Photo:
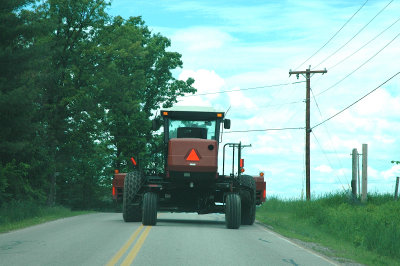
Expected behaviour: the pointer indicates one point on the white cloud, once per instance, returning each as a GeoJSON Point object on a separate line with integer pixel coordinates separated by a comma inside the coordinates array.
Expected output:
{"type": "Point", "coordinates": [238, 100]}
{"type": "Point", "coordinates": [385, 139]}
{"type": "Point", "coordinates": [380, 103]}
{"type": "Point", "coordinates": [206, 82]}
{"type": "Point", "coordinates": [372, 173]}
{"type": "Point", "coordinates": [201, 39]}
{"type": "Point", "coordinates": [246, 45]}
{"type": "Point", "coordinates": [391, 173]}
{"type": "Point", "coordinates": [324, 169]}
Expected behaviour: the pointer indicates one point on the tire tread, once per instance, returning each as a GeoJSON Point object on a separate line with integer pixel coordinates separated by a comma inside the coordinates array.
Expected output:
{"type": "Point", "coordinates": [132, 184]}
{"type": "Point", "coordinates": [233, 211]}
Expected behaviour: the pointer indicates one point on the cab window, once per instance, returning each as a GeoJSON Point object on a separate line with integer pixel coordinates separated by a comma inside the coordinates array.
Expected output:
{"type": "Point", "coordinates": [192, 129]}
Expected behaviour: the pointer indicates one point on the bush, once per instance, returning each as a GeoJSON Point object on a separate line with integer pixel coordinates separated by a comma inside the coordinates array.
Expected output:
{"type": "Point", "coordinates": [16, 211]}
{"type": "Point", "coordinates": [374, 226]}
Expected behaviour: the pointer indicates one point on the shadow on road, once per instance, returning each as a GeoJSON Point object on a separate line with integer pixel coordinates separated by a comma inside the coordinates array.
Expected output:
{"type": "Point", "coordinates": [193, 222]}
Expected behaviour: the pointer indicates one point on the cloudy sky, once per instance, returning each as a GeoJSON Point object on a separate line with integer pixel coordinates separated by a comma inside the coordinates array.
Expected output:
{"type": "Point", "coordinates": [248, 46]}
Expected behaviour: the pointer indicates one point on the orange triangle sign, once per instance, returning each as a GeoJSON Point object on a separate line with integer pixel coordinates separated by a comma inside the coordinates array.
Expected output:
{"type": "Point", "coordinates": [192, 156]}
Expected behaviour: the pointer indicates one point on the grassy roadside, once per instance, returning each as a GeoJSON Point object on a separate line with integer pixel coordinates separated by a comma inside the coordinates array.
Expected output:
{"type": "Point", "coordinates": [369, 234]}
{"type": "Point", "coordinates": [17, 215]}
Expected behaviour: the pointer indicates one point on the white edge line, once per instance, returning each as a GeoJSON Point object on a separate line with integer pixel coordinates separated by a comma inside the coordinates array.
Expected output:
{"type": "Point", "coordinates": [294, 244]}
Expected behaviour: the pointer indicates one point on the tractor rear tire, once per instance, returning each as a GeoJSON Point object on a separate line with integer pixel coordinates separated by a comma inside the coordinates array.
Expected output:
{"type": "Point", "coordinates": [248, 209]}
{"type": "Point", "coordinates": [131, 209]}
{"type": "Point", "coordinates": [149, 208]}
{"type": "Point", "coordinates": [248, 196]}
{"type": "Point", "coordinates": [233, 211]}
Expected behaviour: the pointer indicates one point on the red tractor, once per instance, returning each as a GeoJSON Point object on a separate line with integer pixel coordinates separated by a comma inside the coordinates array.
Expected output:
{"type": "Point", "coordinates": [190, 181]}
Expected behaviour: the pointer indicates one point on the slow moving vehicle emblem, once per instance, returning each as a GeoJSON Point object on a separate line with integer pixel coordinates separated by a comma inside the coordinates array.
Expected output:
{"type": "Point", "coordinates": [193, 156]}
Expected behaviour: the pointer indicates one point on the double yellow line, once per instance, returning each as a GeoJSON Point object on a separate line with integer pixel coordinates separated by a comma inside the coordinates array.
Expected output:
{"type": "Point", "coordinates": [135, 249]}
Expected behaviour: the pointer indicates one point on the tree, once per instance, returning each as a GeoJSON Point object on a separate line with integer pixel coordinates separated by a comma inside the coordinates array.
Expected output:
{"type": "Point", "coordinates": [16, 101]}
{"type": "Point", "coordinates": [135, 79]}
{"type": "Point", "coordinates": [83, 88]}
{"type": "Point", "coordinates": [64, 81]}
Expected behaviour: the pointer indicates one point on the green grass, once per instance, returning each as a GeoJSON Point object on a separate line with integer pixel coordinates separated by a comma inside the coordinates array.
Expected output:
{"type": "Point", "coordinates": [17, 215]}
{"type": "Point", "coordinates": [368, 233]}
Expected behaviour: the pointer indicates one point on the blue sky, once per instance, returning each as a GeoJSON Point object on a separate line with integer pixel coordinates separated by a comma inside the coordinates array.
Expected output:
{"type": "Point", "coordinates": [232, 45]}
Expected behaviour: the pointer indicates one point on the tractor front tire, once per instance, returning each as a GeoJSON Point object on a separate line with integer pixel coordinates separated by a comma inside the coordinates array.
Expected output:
{"type": "Point", "coordinates": [233, 211]}
{"type": "Point", "coordinates": [131, 209]}
{"type": "Point", "coordinates": [149, 208]}
{"type": "Point", "coordinates": [248, 196]}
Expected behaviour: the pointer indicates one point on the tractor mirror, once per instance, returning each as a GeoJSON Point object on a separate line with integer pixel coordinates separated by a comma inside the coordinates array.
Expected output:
{"type": "Point", "coordinates": [156, 124]}
{"type": "Point", "coordinates": [227, 123]}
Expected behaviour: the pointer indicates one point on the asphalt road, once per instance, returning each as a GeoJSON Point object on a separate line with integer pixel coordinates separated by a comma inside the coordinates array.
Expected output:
{"type": "Point", "coordinates": [177, 239]}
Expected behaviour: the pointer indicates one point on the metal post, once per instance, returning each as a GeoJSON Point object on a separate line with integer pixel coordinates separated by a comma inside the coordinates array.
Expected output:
{"type": "Point", "coordinates": [239, 157]}
{"type": "Point", "coordinates": [364, 173]}
{"type": "Point", "coordinates": [223, 160]}
{"type": "Point", "coordinates": [233, 161]}
{"type": "Point", "coordinates": [396, 190]}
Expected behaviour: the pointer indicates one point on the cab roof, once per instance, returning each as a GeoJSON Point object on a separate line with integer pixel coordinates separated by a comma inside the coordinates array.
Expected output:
{"type": "Point", "coordinates": [192, 112]}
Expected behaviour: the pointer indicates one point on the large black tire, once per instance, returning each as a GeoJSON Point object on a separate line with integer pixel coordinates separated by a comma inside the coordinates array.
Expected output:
{"type": "Point", "coordinates": [131, 209]}
{"type": "Point", "coordinates": [149, 208]}
{"type": "Point", "coordinates": [233, 211]}
{"type": "Point", "coordinates": [248, 196]}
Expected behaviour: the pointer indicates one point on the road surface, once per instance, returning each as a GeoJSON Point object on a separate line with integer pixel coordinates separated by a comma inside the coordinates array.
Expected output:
{"type": "Point", "coordinates": [177, 239]}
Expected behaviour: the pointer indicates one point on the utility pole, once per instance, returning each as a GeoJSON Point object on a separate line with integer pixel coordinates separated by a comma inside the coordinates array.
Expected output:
{"type": "Point", "coordinates": [364, 184]}
{"type": "Point", "coordinates": [354, 156]}
{"type": "Point", "coordinates": [307, 73]}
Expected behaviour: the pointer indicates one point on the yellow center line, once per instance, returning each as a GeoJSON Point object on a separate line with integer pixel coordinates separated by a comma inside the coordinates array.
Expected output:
{"type": "Point", "coordinates": [132, 254]}
{"type": "Point", "coordinates": [125, 247]}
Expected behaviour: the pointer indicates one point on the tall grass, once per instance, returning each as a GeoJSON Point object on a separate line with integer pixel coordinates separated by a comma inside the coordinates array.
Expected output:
{"type": "Point", "coordinates": [374, 226]}
{"type": "Point", "coordinates": [20, 214]}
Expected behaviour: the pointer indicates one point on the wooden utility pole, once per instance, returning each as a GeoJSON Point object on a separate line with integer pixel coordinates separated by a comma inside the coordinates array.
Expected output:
{"type": "Point", "coordinates": [307, 73]}
{"type": "Point", "coordinates": [354, 156]}
{"type": "Point", "coordinates": [364, 183]}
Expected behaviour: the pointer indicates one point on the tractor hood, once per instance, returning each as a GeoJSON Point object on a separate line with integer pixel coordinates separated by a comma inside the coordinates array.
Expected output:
{"type": "Point", "coordinates": [192, 155]}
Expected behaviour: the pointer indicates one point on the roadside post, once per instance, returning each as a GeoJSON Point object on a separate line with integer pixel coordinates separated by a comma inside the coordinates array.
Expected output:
{"type": "Point", "coordinates": [354, 172]}
{"type": "Point", "coordinates": [364, 185]}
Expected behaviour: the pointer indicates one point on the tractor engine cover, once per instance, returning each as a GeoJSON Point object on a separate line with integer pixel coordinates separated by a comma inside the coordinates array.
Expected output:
{"type": "Point", "coordinates": [192, 155]}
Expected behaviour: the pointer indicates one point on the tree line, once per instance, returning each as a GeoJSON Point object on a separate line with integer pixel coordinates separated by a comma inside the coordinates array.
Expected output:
{"type": "Point", "coordinates": [78, 89]}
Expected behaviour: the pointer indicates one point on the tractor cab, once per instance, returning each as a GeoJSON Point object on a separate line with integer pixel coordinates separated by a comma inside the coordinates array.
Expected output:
{"type": "Point", "coordinates": [191, 135]}
{"type": "Point", "coordinates": [193, 122]}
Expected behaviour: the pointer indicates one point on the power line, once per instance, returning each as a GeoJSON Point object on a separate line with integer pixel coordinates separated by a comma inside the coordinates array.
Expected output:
{"type": "Point", "coordinates": [329, 135]}
{"type": "Point", "coordinates": [329, 162]}
{"type": "Point", "coordinates": [359, 49]}
{"type": "Point", "coordinates": [316, 103]}
{"type": "Point", "coordinates": [326, 120]}
{"type": "Point", "coordinates": [347, 57]}
{"type": "Point", "coordinates": [245, 89]}
{"type": "Point", "coordinates": [341, 47]}
{"type": "Point", "coordinates": [278, 105]}
{"type": "Point", "coordinates": [266, 129]}
{"type": "Point", "coordinates": [348, 75]}
{"type": "Point", "coordinates": [333, 35]}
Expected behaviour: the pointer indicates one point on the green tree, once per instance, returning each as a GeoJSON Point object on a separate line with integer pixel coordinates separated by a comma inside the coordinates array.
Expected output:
{"type": "Point", "coordinates": [65, 83]}
{"type": "Point", "coordinates": [16, 101]}
{"type": "Point", "coordinates": [77, 93]}
{"type": "Point", "coordinates": [135, 78]}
